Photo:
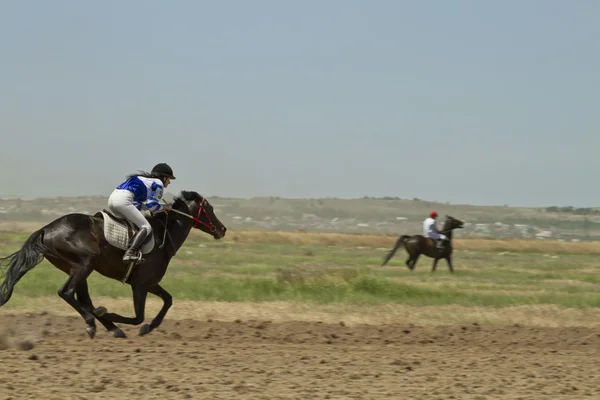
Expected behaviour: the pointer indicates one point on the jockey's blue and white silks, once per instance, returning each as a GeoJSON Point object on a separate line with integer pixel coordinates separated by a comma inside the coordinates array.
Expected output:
{"type": "Point", "coordinates": [147, 192]}
{"type": "Point", "coordinates": [134, 195]}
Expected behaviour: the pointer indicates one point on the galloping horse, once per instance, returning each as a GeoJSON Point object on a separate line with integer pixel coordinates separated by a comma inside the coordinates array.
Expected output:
{"type": "Point", "coordinates": [79, 244]}
{"type": "Point", "coordinates": [416, 245]}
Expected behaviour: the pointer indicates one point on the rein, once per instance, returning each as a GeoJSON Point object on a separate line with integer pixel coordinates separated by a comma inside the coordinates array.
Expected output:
{"type": "Point", "coordinates": [196, 220]}
{"type": "Point", "coordinates": [165, 224]}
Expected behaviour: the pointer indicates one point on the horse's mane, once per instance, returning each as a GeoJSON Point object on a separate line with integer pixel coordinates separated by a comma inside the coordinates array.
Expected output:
{"type": "Point", "coordinates": [186, 196]}
{"type": "Point", "coordinates": [448, 221]}
{"type": "Point", "coordinates": [182, 198]}
{"type": "Point", "coordinates": [190, 196]}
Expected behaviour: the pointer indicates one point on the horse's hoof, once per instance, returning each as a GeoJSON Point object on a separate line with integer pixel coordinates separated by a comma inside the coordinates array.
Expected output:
{"type": "Point", "coordinates": [91, 331]}
{"type": "Point", "coordinates": [100, 311]}
{"type": "Point", "coordinates": [118, 333]}
{"type": "Point", "coordinates": [145, 329]}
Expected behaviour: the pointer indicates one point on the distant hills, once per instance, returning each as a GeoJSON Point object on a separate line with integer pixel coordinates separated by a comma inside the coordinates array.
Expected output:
{"type": "Point", "coordinates": [363, 215]}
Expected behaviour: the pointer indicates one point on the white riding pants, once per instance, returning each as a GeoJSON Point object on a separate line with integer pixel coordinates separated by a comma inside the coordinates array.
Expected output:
{"type": "Point", "coordinates": [437, 236]}
{"type": "Point", "coordinates": [120, 203]}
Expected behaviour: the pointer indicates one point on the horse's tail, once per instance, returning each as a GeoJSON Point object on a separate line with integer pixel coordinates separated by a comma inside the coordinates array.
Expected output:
{"type": "Point", "coordinates": [399, 243]}
{"type": "Point", "coordinates": [19, 263]}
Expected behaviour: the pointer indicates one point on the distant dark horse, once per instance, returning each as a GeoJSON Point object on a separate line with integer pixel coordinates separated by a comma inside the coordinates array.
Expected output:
{"type": "Point", "coordinates": [77, 245]}
{"type": "Point", "coordinates": [416, 245]}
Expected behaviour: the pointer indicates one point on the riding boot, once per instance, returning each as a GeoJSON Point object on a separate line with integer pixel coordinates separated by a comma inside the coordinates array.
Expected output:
{"type": "Point", "coordinates": [440, 244]}
{"type": "Point", "coordinates": [133, 252]}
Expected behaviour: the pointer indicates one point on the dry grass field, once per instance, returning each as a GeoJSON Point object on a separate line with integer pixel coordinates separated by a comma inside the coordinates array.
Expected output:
{"type": "Point", "coordinates": [370, 240]}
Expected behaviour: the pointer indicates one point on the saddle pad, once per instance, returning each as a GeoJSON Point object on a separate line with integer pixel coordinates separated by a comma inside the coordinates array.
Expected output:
{"type": "Point", "coordinates": [117, 234]}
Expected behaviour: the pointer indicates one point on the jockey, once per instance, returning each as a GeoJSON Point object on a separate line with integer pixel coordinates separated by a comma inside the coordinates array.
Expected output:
{"type": "Point", "coordinates": [139, 192]}
{"type": "Point", "coordinates": [430, 230]}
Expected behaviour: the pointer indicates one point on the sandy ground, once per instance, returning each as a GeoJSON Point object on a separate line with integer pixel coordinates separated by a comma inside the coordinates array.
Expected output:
{"type": "Point", "coordinates": [49, 356]}
{"type": "Point", "coordinates": [280, 311]}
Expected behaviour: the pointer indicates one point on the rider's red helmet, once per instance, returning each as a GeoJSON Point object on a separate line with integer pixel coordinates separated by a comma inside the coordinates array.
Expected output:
{"type": "Point", "coordinates": [433, 214]}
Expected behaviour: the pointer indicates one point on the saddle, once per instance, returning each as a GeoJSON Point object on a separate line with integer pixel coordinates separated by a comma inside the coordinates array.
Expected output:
{"type": "Point", "coordinates": [119, 232]}
{"type": "Point", "coordinates": [440, 246]}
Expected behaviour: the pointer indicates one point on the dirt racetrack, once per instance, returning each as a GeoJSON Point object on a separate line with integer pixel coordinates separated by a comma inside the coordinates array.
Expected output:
{"type": "Point", "coordinates": [50, 357]}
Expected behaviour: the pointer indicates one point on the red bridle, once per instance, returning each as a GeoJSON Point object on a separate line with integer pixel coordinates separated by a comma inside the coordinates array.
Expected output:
{"type": "Point", "coordinates": [201, 209]}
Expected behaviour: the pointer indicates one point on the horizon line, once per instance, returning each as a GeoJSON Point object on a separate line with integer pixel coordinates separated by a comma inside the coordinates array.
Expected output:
{"type": "Point", "coordinates": [365, 197]}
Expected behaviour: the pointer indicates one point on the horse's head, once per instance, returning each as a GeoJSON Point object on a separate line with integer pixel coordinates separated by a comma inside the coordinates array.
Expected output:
{"type": "Point", "coordinates": [453, 223]}
{"type": "Point", "coordinates": [203, 214]}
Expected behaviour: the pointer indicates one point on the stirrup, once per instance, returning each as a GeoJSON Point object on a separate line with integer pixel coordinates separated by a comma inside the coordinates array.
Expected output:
{"type": "Point", "coordinates": [136, 257]}
{"type": "Point", "coordinates": [135, 260]}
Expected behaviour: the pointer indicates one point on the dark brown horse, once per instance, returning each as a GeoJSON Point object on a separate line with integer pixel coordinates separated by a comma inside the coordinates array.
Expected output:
{"type": "Point", "coordinates": [77, 245]}
{"type": "Point", "coordinates": [416, 245]}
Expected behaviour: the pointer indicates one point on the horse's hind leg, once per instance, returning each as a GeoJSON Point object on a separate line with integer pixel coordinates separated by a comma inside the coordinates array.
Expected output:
{"type": "Point", "coordinates": [83, 296]}
{"type": "Point", "coordinates": [67, 293]}
{"type": "Point", "coordinates": [412, 261]}
{"type": "Point", "coordinates": [167, 303]}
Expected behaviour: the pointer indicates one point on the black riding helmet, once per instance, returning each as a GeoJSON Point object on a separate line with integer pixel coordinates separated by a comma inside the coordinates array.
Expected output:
{"type": "Point", "coordinates": [163, 169]}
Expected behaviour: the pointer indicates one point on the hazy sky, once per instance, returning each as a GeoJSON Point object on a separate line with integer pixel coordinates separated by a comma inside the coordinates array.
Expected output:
{"type": "Point", "coordinates": [475, 102]}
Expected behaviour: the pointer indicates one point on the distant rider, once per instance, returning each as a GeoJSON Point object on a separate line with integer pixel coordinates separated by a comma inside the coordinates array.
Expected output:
{"type": "Point", "coordinates": [430, 230]}
{"type": "Point", "coordinates": [141, 191]}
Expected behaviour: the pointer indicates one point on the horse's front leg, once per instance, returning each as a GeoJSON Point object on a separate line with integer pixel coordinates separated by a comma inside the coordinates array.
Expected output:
{"type": "Point", "coordinates": [167, 303]}
{"type": "Point", "coordinates": [139, 304]}
{"type": "Point", "coordinates": [449, 260]}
